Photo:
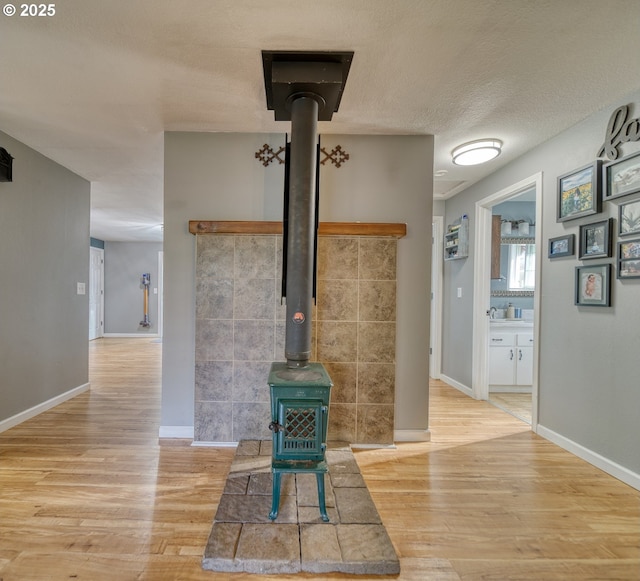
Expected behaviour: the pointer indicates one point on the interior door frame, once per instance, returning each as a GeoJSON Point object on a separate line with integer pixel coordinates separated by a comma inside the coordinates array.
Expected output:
{"type": "Point", "coordinates": [482, 288]}
{"type": "Point", "coordinates": [437, 266]}
{"type": "Point", "coordinates": [160, 289]}
{"type": "Point", "coordinates": [100, 300]}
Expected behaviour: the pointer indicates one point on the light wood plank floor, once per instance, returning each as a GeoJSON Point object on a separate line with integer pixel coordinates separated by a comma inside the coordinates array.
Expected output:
{"type": "Point", "coordinates": [517, 404]}
{"type": "Point", "coordinates": [88, 493]}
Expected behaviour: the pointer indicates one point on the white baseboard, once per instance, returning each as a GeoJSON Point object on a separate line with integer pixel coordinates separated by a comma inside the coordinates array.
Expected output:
{"type": "Point", "coordinates": [215, 444]}
{"type": "Point", "coordinates": [509, 389]}
{"type": "Point", "coordinates": [411, 436]}
{"type": "Point", "coordinates": [42, 407]}
{"type": "Point", "coordinates": [459, 386]}
{"type": "Point", "coordinates": [609, 466]}
{"type": "Point", "coordinates": [130, 335]}
{"type": "Point", "coordinates": [357, 446]}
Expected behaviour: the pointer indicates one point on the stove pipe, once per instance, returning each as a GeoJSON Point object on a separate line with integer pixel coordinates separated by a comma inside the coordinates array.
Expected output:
{"type": "Point", "coordinates": [301, 230]}
{"type": "Point", "coordinates": [304, 88]}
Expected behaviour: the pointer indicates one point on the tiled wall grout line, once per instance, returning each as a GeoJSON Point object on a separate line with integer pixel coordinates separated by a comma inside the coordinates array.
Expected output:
{"type": "Point", "coordinates": [338, 337]}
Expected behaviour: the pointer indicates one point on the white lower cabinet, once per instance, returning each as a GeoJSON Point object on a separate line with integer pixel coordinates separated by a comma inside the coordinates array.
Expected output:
{"type": "Point", "coordinates": [524, 363]}
{"type": "Point", "coordinates": [511, 359]}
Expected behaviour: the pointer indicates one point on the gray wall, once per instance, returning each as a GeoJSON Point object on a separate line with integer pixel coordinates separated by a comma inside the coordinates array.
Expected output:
{"type": "Point", "coordinates": [124, 264]}
{"type": "Point", "coordinates": [216, 177]}
{"type": "Point", "coordinates": [44, 253]}
{"type": "Point", "coordinates": [517, 211]}
{"type": "Point", "coordinates": [588, 379]}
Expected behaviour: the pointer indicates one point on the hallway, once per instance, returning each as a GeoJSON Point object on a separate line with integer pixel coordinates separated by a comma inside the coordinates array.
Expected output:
{"type": "Point", "coordinates": [87, 492]}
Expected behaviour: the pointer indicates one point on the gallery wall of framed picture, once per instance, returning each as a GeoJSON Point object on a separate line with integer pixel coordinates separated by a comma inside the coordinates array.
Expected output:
{"type": "Point", "coordinates": [587, 191]}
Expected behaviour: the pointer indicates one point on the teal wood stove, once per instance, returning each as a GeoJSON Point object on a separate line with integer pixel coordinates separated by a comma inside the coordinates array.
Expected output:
{"type": "Point", "coordinates": [299, 418]}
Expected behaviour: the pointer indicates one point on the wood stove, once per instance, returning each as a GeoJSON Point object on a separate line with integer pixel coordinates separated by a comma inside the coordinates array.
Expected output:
{"type": "Point", "coordinates": [299, 419]}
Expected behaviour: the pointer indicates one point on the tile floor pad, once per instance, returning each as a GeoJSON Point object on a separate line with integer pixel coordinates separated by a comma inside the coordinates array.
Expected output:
{"type": "Point", "coordinates": [244, 539]}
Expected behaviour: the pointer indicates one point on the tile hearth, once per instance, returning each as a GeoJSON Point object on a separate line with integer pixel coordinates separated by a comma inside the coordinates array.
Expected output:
{"type": "Point", "coordinates": [244, 539]}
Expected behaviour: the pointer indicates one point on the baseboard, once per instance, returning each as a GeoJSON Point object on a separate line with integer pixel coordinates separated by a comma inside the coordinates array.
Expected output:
{"type": "Point", "coordinates": [357, 446]}
{"type": "Point", "coordinates": [459, 386]}
{"type": "Point", "coordinates": [42, 407]}
{"type": "Point", "coordinates": [178, 432]}
{"type": "Point", "coordinates": [609, 466]}
{"type": "Point", "coordinates": [411, 436]}
{"type": "Point", "coordinates": [215, 444]}
{"type": "Point", "coordinates": [130, 335]}
{"type": "Point", "coordinates": [509, 389]}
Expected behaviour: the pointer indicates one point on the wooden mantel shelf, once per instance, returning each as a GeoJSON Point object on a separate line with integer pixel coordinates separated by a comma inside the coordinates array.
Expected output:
{"type": "Point", "coordinates": [324, 229]}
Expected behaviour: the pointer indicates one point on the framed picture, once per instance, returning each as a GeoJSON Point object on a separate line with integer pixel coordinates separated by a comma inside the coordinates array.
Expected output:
{"type": "Point", "coordinates": [629, 269]}
{"type": "Point", "coordinates": [579, 192]}
{"type": "Point", "coordinates": [593, 286]}
{"type": "Point", "coordinates": [621, 177]}
{"type": "Point", "coordinates": [629, 249]}
{"type": "Point", "coordinates": [629, 259]}
{"type": "Point", "coordinates": [629, 218]}
{"type": "Point", "coordinates": [561, 246]}
{"type": "Point", "coordinates": [595, 240]}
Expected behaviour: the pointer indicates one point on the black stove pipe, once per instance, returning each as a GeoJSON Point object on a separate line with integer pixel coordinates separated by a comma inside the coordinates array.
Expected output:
{"type": "Point", "coordinates": [301, 233]}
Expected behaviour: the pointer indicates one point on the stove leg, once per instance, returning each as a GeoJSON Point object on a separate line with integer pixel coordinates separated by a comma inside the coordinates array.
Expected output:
{"type": "Point", "coordinates": [321, 501]}
{"type": "Point", "coordinates": [275, 498]}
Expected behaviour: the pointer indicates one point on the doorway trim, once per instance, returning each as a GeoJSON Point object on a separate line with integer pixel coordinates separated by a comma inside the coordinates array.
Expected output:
{"type": "Point", "coordinates": [437, 264]}
{"type": "Point", "coordinates": [482, 289]}
{"type": "Point", "coordinates": [96, 292]}
{"type": "Point", "coordinates": [160, 289]}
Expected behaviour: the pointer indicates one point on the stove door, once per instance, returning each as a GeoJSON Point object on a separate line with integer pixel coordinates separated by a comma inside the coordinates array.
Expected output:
{"type": "Point", "coordinates": [300, 436]}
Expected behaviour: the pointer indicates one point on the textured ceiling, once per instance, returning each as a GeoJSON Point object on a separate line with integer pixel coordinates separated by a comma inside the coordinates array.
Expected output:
{"type": "Point", "coordinates": [95, 86]}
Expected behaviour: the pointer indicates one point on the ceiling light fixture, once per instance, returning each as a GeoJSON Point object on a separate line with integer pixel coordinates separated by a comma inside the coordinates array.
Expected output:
{"type": "Point", "coordinates": [476, 152]}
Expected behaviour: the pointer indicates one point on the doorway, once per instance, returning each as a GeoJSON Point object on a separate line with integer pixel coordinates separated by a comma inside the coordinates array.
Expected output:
{"type": "Point", "coordinates": [96, 293]}
{"type": "Point", "coordinates": [482, 289]}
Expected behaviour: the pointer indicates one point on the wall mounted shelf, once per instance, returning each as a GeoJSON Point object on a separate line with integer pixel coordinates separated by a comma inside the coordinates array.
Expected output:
{"type": "Point", "coordinates": [456, 239]}
{"type": "Point", "coordinates": [394, 230]}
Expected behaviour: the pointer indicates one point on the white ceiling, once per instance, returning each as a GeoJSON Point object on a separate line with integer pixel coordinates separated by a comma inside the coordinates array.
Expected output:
{"type": "Point", "coordinates": [96, 85]}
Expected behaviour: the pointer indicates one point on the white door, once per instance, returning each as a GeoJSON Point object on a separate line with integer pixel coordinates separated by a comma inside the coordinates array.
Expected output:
{"type": "Point", "coordinates": [96, 293]}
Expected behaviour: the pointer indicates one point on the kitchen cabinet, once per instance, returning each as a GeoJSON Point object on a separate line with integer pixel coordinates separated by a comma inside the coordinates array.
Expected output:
{"type": "Point", "coordinates": [511, 359]}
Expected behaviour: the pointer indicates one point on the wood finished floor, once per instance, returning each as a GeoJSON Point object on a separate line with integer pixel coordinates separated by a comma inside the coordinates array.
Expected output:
{"type": "Point", "coordinates": [87, 493]}
{"type": "Point", "coordinates": [517, 404]}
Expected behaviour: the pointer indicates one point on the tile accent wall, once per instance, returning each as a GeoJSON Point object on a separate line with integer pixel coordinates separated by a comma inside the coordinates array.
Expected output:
{"type": "Point", "coordinates": [240, 332]}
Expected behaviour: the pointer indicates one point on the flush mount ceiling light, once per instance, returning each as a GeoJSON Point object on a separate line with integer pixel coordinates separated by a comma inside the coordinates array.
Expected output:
{"type": "Point", "coordinates": [476, 152]}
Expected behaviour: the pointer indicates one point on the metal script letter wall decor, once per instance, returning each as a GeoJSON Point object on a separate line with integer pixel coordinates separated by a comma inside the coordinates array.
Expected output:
{"type": "Point", "coordinates": [619, 131]}
{"type": "Point", "coordinates": [266, 155]}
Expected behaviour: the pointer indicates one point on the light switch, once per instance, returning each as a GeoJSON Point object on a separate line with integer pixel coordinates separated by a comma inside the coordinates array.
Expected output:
{"type": "Point", "coordinates": [459, 292]}
{"type": "Point", "coordinates": [80, 288]}
{"type": "Point", "coordinates": [155, 291]}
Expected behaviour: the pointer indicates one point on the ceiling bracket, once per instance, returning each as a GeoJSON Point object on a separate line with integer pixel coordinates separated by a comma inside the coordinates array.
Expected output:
{"type": "Point", "coordinates": [289, 75]}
